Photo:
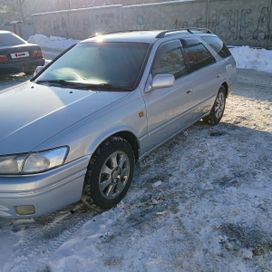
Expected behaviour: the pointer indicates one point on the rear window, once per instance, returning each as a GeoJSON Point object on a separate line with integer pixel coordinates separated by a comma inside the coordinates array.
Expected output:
{"type": "Point", "coordinates": [197, 55]}
{"type": "Point", "coordinates": [9, 39]}
{"type": "Point", "coordinates": [217, 45]}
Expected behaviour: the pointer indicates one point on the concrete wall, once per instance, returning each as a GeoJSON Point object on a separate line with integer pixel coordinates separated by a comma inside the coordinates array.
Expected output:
{"type": "Point", "coordinates": [238, 22]}
{"type": "Point", "coordinates": [242, 22]}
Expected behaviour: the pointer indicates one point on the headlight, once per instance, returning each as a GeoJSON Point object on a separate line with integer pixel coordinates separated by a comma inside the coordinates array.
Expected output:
{"type": "Point", "coordinates": [33, 162]}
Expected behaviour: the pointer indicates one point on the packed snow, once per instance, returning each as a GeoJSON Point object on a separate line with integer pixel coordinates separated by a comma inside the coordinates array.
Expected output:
{"type": "Point", "coordinates": [201, 202]}
{"type": "Point", "coordinates": [52, 42]}
{"type": "Point", "coordinates": [52, 46]}
{"type": "Point", "coordinates": [252, 58]}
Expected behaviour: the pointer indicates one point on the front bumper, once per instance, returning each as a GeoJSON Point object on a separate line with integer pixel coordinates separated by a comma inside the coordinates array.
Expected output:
{"type": "Point", "coordinates": [46, 192]}
{"type": "Point", "coordinates": [20, 66]}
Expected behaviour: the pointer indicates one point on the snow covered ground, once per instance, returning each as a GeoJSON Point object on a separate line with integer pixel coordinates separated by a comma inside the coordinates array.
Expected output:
{"type": "Point", "coordinates": [201, 202]}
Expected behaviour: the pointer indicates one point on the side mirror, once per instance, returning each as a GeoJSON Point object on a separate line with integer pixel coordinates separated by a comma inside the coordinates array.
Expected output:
{"type": "Point", "coordinates": [162, 81]}
{"type": "Point", "coordinates": [39, 68]}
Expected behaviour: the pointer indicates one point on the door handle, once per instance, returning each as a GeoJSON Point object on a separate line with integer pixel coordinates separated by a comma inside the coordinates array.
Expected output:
{"type": "Point", "coordinates": [189, 91]}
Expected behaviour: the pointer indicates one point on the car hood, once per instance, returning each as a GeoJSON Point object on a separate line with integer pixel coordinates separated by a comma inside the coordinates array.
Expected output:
{"type": "Point", "coordinates": [31, 113]}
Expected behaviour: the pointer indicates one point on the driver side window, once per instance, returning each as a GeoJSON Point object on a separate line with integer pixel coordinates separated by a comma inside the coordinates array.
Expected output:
{"type": "Point", "coordinates": [169, 60]}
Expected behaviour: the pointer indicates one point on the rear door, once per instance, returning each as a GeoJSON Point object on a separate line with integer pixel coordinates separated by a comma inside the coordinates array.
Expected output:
{"type": "Point", "coordinates": [227, 63]}
{"type": "Point", "coordinates": [203, 73]}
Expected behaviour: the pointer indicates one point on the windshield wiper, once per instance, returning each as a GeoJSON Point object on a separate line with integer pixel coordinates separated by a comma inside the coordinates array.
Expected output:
{"type": "Point", "coordinates": [110, 87]}
{"type": "Point", "coordinates": [63, 83]}
{"type": "Point", "coordinates": [79, 85]}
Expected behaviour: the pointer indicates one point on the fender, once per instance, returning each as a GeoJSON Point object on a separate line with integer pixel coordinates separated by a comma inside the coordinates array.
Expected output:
{"type": "Point", "coordinates": [109, 133]}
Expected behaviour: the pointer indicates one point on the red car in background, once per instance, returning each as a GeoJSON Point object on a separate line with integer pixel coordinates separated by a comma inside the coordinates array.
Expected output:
{"type": "Point", "coordinates": [17, 55]}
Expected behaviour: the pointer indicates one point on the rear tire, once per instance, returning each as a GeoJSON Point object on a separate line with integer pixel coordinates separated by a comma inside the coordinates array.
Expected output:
{"type": "Point", "coordinates": [218, 108]}
{"type": "Point", "coordinates": [110, 172]}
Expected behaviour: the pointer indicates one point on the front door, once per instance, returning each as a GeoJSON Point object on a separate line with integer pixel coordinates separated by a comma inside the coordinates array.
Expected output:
{"type": "Point", "coordinates": [166, 106]}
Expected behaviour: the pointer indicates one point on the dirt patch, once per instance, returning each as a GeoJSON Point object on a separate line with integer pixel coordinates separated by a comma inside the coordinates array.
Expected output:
{"type": "Point", "coordinates": [239, 237]}
{"type": "Point", "coordinates": [217, 133]}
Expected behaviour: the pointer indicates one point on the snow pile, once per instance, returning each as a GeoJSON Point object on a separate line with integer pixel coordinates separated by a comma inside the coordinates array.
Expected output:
{"type": "Point", "coordinates": [52, 42]}
{"type": "Point", "coordinates": [253, 58]}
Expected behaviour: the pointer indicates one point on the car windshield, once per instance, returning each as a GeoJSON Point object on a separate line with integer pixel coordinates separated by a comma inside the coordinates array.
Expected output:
{"type": "Point", "coordinates": [9, 39]}
{"type": "Point", "coordinates": [106, 66]}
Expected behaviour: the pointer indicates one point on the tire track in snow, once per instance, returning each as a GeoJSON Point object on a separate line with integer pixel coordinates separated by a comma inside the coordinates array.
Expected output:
{"type": "Point", "coordinates": [44, 237]}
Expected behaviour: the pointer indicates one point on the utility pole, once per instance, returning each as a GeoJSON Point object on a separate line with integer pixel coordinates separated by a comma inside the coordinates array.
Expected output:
{"type": "Point", "coordinates": [207, 13]}
{"type": "Point", "coordinates": [20, 4]}
{"type": "Point", "coordinates": [269, 35]}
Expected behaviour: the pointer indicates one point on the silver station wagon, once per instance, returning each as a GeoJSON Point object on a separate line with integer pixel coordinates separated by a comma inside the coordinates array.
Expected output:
{"type": "Point", "coordinates": [86, 118]}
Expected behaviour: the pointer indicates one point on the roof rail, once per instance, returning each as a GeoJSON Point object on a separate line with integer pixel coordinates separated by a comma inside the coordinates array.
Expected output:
{"type": "Point", "coordinates": [191, 30]}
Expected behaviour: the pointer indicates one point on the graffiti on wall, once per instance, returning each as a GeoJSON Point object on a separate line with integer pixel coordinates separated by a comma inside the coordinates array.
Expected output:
{"type": "Point", "coordinates": [199, 22]}
{"type": "Point", "coordinates": [59, 25]}
{"type": "Point", "coordinates": [72, 25]}
{"type": "Point", "coordinates": [250, 24]}
{"type": "Point", "coordinates": [263, 30]}
{"type": "Point", "coordinates": [241, 25]}
{"type": "Point", "coordinates": [233, 25]}
{"type": "Point", "coordinates": [104, 19]}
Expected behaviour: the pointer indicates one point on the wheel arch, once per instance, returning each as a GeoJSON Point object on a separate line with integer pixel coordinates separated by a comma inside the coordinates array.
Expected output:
{"type": "Point", "coordinates": [131, 139]}
{"type": "Point", "coordinates": [128, 135]}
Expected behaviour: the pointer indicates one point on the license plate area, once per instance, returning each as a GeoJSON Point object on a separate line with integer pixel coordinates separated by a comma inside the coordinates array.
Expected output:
{"type": "Point", "coordinates": [19, 55]}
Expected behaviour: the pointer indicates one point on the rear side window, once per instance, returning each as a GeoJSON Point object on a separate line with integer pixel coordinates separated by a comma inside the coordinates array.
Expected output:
{"type": "Point", "coordinates": [9, 39]}
{"type": "Point", "coordinates": [197, 55]}
{"type": "Point", "coordinates": [217, 45]}
{"type": "Point", "coordinates": [169, 60]}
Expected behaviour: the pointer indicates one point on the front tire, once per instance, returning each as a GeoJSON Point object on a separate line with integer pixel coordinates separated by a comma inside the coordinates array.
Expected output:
{"type": "Point", "coordinates": [218, 108]}
{"type": "Point", "coordinates": [110, 172]}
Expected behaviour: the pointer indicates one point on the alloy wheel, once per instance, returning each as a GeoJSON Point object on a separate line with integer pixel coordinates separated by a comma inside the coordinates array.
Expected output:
{"type": "Point", "coordinates": [219, 105]}
{"type": "Point", "coordinates": [114, 175]}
